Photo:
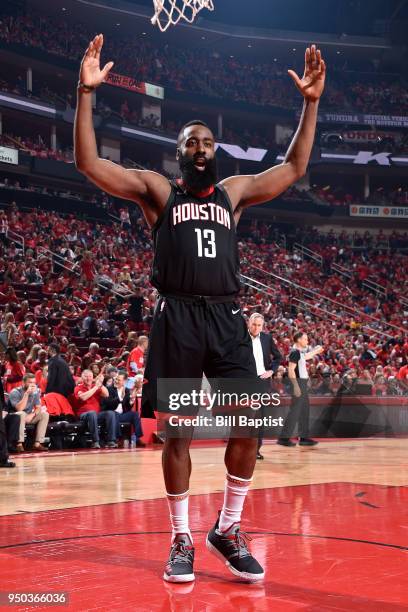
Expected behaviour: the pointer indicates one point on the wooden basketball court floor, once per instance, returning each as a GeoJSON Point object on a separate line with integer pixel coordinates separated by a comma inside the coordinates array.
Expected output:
{"type": "Point", "coordinates": [329, 524]}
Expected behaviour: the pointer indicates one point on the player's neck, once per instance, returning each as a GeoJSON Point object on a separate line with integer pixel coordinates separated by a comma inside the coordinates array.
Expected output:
{"type": "Point", "coordinates": [199, 194]}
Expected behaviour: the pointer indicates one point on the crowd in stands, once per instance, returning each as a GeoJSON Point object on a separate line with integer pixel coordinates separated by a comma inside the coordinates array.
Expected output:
{"type": "Point", "coordinates": [85, 286]}
{"type": "Point", "coordinates": [340, 196]}
{"type": "Point", "coordinates": [126, 112]}
{"type": "Point", "coordinates": [84, 253]}
{"type": "Point", "coordinates": [40, 92]}
{"type": "Point", "coordinates": [101, 398]}
{"type": "Point", "coordinates": [364, 242]}
{"type": "Point", "coordinates": [101, 199]}
{"type": "Point", "coordinates": [207, 72]}
{"type": "Point", "coordinates": [364, 331]}
{"type": "Point", "coordinates": [36, 148]}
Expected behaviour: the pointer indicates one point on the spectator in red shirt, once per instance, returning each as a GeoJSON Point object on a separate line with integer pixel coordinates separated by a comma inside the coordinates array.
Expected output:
{"type": "Point", "coordinates": [21, 313]}
{"type": "Point", "coordinates": [14, 370]}
{"type": "Point", "coordinates": [40, 362]}
{"type": "Point", "coordinates": [41, 379]}
{"type": "Point", "coordinates": [402, 377]}
{"type": "Point", "coordinates": [62, 329]}
{"type": "Point", "coordinates": [9, 296]}
{"type": "Point", "coordinates": [402, 372]}
{"type": "Point", "coordinates": [135, 361]}
{"type": "Point", "coordinates": [87, 268]}
{"type": "Point", "coordinates": [76, 378]}
{"type": "Point", "coordinates": [93, 352]}
{"type": "Point", "coordinates": [92, 356]}
{"type": "Point", "coordinates": [379, 387]}
{"type": "Point", "coordinates": [88, 394]}
{"type": "Point", "coordinates": [32, 355]}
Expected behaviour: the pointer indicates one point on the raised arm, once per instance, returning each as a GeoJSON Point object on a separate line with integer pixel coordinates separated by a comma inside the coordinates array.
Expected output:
{"type": "Point", "coordinates": [149, 189]}
{"type": "Point", "coordinates": [254, 189]}
{"type": "Point", "coordinates": [318, 350]}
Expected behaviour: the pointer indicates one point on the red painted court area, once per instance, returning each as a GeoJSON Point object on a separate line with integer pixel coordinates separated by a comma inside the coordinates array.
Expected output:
{"type": "Point", "coordinates": [337, 546]}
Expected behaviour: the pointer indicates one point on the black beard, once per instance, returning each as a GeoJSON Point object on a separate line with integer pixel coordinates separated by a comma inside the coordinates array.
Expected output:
{"type": "Point", "coordinates": [198, 180]}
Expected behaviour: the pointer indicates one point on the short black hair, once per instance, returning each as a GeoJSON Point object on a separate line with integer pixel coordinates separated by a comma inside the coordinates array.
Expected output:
{"type": "Point", "coordinates": [186, 125]}
{"type": "Point", "coordinates": [298, 335]}
{"type": "Point", "coordinates": [54, 347]}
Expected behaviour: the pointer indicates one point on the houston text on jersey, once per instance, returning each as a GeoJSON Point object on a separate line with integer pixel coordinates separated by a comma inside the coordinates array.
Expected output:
{"type": "Point", "coordinates": [210, 211]}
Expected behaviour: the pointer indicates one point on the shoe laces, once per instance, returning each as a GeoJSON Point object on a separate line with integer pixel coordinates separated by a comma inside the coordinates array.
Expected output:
{"type": "Point", "coordinates": [180, 553]}
{"type": "Point", "coordinates": [239, 540]}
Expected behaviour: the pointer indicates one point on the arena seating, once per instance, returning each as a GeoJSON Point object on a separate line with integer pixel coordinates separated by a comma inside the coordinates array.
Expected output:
{"type": "Point", "coordinates": [221, 76]}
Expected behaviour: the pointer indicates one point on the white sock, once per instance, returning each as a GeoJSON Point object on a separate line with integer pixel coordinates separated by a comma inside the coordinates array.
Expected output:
{"type": "Point", "coordinates": [178, 508]}
{"type": "Point", "coordinates": [235, 493]}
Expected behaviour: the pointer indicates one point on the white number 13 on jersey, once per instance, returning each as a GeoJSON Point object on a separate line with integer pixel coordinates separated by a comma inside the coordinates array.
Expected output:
{"type": "Point", "coordinates": [208, 236]}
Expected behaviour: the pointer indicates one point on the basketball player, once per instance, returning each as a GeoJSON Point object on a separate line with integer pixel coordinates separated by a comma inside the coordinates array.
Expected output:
{"type": "Point", "coordinates": [197, 325]}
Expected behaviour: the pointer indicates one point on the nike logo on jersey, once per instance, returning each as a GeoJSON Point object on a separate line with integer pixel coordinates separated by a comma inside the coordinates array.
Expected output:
{"type": "Point", "coordinates": [201, 212]}
{"type": "Point", "coordinates": [235, 311]}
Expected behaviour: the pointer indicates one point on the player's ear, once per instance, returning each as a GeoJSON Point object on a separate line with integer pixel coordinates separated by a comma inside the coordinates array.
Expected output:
{"type": "Point", "coordinates": [177, 153]}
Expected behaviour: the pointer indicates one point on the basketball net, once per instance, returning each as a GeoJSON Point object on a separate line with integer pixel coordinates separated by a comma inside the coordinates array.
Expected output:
{"type": "Point", "coordinates": [169, 12]}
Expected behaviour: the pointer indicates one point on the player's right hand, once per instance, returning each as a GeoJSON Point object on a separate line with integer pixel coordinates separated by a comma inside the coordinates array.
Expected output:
{"type": "Point", "coordinates": [90, 72]}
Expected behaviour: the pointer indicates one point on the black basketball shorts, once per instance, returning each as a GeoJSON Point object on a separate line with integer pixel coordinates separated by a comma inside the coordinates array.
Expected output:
{"type": "Point", "coordinates": [189, 338]}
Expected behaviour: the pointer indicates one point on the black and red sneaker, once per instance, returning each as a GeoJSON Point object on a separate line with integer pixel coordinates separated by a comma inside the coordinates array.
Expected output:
{"type": "Point", "coordinates": [232, 549]}
{"type": "Point", "coordinates": [179, 567]}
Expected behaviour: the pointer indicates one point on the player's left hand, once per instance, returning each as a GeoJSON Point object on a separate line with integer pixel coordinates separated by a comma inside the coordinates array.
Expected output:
{"type": "Point", "coordinates": [311, 85]}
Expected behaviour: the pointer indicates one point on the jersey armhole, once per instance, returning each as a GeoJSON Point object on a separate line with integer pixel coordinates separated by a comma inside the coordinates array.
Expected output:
{"type": "Point", "coordinates": [227, 198]}
{"type": "Point", "coordinates": [294, 356]}
{"type": "Point", "coordinates": [169, 202]}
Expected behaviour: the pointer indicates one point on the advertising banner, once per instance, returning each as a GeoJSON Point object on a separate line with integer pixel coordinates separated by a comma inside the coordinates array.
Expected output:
{"type": "Point", "coordinates": [390, 212]}
{"type": "Point", "coordinates": [126, 82]}
{"type": "Point", "coordinates": [8, 155]}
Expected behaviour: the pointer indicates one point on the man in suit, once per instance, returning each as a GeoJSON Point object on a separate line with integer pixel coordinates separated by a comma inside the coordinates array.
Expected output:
{"type": "Point", "coordinates": [59, 379]}
{"type": "Point", "coordinates": [120, 401]}
{"type": "Point", "coordinates": [267, 357]}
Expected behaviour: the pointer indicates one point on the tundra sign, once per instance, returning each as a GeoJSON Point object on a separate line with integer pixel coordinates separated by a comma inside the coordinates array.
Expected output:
{"type": "Point", "coordinates": [359, 119]}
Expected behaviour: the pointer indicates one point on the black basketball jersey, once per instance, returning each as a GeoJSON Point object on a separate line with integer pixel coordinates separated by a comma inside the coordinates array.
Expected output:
{"type": "Point", "coordinates": [196, 251]}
